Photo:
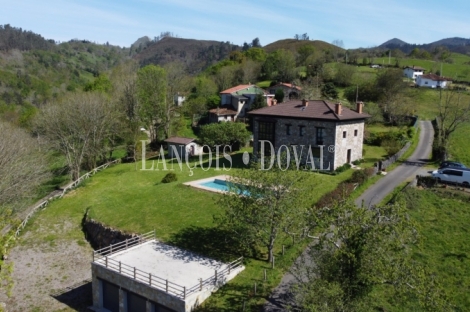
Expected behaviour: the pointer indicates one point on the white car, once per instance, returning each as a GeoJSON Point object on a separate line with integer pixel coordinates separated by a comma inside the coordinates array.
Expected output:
{"type": "Point", "coordinates": [453, 175]}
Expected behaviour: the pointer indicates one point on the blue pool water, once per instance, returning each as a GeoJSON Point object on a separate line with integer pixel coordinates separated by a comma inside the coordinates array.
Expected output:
{"type": "Point", "coordinates": [221, 185]}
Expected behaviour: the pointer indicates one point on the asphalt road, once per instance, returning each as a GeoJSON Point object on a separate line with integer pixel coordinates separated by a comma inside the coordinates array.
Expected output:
{"type": "Point", "coordinates": [409, 169]}
{"type": "Point", "coordinates": [373, 195]}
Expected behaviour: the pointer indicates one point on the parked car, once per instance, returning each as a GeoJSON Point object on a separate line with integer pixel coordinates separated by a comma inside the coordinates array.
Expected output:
{"type": "Point", "coordinates": [453, 164]}
{"type": "Point", "coordinates": [453, 175]}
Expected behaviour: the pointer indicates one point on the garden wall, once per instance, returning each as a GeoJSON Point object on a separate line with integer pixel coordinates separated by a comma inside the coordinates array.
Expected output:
{"type": "Point", "coordinates": [100, 235]}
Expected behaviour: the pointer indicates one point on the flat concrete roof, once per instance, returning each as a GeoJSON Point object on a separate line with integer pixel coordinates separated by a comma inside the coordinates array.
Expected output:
{"type": "Point", "coordinates": [161, 260]}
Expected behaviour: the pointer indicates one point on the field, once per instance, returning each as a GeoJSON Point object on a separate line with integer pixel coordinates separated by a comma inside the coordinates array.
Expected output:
{"type": "Point", "coordinates": [442, 220]}
{"type": "Point", "coordinates": [133, 200]}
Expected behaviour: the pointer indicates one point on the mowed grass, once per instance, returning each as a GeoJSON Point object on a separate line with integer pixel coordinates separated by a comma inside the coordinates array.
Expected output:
{"type": "Point", "coordinates": [442, 219]}
{"type": "Point", "coordinates": [132, 200]}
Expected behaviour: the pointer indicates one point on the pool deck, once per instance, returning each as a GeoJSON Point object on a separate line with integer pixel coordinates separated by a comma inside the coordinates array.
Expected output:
{"type": "Point", "coordinates": [197, 183]}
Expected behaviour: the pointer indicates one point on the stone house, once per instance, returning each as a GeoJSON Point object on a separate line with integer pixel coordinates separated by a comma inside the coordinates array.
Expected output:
{"type": "Point", "coordinates": [333, 133]}
{"type": "Point", "coordinates": [291, 91]}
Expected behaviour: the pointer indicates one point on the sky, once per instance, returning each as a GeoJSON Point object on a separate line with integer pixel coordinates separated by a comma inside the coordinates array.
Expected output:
{"type": "Point", "coordinates": [358, 23]}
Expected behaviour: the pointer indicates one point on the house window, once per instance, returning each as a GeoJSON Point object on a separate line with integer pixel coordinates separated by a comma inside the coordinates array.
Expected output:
{"type": "Point", "coordinates": [320, 136]}
{"type": "Point", "coordinates": [288, 129]}
{"type": "Point", "coordinates": [265, 132]}
{"type": "Point", "coordinates": [355, 132]}
{"type": "Point", "coordinates": [425, 82]}
{"type": "Point", "coordinates": [301, 130]}
{"type": "Point", "coordinates": [344, 134]}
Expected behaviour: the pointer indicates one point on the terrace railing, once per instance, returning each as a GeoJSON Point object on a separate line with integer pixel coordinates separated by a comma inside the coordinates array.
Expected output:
{"type": "Point", "coordinates": [103, 257]}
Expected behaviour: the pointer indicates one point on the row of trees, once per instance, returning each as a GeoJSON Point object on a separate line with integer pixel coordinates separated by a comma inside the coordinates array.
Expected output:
{"type": "Point", "coordinates": [358, 251]}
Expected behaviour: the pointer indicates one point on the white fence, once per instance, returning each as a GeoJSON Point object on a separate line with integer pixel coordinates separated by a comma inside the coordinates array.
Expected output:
{"type": "Point", "coordinates": [67, 188]}
{"type": "Point", "coordinates": [102, 257]}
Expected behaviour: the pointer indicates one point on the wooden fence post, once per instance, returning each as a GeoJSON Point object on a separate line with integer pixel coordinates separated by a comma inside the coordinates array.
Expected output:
{"type": "Point", "coordinates": [283, 250]}
{"type": "Point", "coordinates": [166, 287]}
{"type": "Point", "coordinates": [134, 273]}
{"type": "Point", "coordinates": [273, 263]}
{"type": "Point", "coordinates": [255, 289]}
{"type": "Point", "coordinates": [150, 279]}
{"type": "Point", "coordinates": [264, 274]}
{"type": "Point", "coordinates": [215, 280]}
{"type": "Point", "coordinates": [119, 266]}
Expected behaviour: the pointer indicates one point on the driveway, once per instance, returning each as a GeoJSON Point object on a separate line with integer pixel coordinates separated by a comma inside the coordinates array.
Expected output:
{"type": "Point", "coordinates": [373, 195]}
{"type": "Point", "coordinates": [407, 170]}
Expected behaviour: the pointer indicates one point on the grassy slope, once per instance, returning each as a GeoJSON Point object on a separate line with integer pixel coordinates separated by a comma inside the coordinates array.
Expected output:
{"type": "Point", "coordinates": [135, 201]}
{"type": "Point", "coordinates": [442, 219]}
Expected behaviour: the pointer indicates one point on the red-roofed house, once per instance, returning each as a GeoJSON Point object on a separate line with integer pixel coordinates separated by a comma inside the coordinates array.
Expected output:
{"type": "Point", "coordinates": [291, 91]}
{"type": "Point", "coordinates": [432, 81]}
{"type": "Point", "coordinates": [312, 123]}
{"type": "Point", "coordinates": [236, 101]}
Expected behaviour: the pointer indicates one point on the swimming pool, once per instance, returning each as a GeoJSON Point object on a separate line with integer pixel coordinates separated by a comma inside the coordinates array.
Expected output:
{"type": "Point", "coordinates": [218, 184]}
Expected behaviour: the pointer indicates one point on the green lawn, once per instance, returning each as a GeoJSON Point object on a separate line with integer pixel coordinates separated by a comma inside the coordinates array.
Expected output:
{"type": "Point", "coordinates": [135, 201]}
{"type": "Point", "coordinates": [442, 219]}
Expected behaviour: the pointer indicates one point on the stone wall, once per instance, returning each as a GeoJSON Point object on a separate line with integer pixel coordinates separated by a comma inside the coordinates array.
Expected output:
{"type": "Point", "coordinates": [101, 236]}
{"type": "Point", "coordinates": [287, 132]}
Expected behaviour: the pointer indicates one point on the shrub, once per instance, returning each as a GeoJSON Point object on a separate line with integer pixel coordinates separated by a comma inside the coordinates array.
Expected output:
{"type": "Point", "coordinates": [359, 176]}
{"type": "Point", "coordinates": [358, 162]}
{"type": "Point", "coordinates": [341, 192]}
{"type": "Point", "coordinates": [170, 177]}
{"type": "Point", "coordinates": [391, 146]}
{"type": "Point", "coordinates": [343, 168]}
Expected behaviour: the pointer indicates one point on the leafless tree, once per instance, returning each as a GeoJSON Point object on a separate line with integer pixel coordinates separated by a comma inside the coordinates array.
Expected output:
{"type": "Point", "coordinates": [81, 127]}
{"type": "Point", "coordinates": [23, 167]}
{"type": "Point", "coordinates": [454, 112]}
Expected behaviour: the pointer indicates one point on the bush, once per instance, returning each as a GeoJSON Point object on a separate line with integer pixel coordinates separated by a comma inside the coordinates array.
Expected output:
{"type": "Point", "coordinates": [392, 146]}
{"type": "Point", "coordinates": [359, 176]}
{"type": "Point", "coordinates": [341, 192]}
{"type": "Point", "coordinates": [358, 162]}
{"type": "Point", "coordinates": [343, 168]}
{"type": "Point", "coordinates": [170, 177]}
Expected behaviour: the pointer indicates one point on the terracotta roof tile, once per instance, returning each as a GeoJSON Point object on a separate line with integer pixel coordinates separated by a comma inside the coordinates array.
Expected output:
{"type": "Point", "coordinates": [435, 77]}
{"type": "Point", "coordinates": [237, 88]}
{"type": "Point", "coordinates": [316, 109]}
{"type": "Point", "coordinates": [223, 110]}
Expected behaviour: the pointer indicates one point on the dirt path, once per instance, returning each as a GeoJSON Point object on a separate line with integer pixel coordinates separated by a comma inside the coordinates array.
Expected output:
{"type": "Point", "coordinates": [50, 276]}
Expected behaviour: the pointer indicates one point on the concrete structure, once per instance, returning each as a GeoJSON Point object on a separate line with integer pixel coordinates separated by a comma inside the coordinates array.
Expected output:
{"type": "Point", "coordinates": [413, 72]}
{"type": "Point", "coordinates": [179, 147]}
{"type": "Point", "coordinates": [291, 91]}
{"type": "Point", "coordinates": [236, 101]}
{"type": "Point", "coordinates": [333, 133]}
{"type": "Point", "coordinates": [433, 81]}
{"type": "Point", "coordinates": [142, 274]}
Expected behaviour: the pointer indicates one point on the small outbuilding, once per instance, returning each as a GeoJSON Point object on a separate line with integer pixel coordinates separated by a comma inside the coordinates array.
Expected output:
{"type": "Point", "coordinates": [180, 146]}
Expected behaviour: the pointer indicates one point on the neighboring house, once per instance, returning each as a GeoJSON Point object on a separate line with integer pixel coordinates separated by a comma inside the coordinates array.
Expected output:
{"type": "Point", "coordinates": [413, 72]}
{"type": "Point", "coordinates": [223, 113]}
{"type": "Point", "coordinates": [291, 91]}
{"type": "Point", "coordinates": [313, 123]}
{"type": "Point", "coordinates": [237, 99]}
{"type": "Point", "coordinates": [182, 146]}
{"type": "Point", "coordinates": [433, 81]}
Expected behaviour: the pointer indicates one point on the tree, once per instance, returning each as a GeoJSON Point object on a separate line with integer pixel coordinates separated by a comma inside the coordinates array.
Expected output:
{"type": "Point", "coordinates": [360, 251]}
{"type": "Point", "coordinates": [329, 91]}
{"type": "Point", "coordinates": [82, 127]}
{"type": "Point", "coordinates": [338, 46]}
{"type": "Point", "coordinates": [390, 88]}
{"type": "Point", "coordinates": [279, 95]}
{"type": "Point", "coordinates": [258, 102]}
{"type": "Point", "coordinates": [267, 205]}
{"type": "Point", "coordinates": [124, 78]}
{"type": "Point", "coordinates": [454, 112]}
{"type": "Point", "coordinates": [151, 92]}
{"type": "Point", "coordinates": [23, 166]}
{"type": "Point", "coordinates": [101, 83]}
{"type": "Point", "coordinates": [225, 133]}
{"type": "Point", "coordinates": [280, 65]}
{"type": "Point", "coordinates": [344, 74]}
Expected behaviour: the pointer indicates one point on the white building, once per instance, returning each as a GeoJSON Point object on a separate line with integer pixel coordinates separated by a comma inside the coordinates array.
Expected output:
{"type": "Point", "coordinates": [432, 81]}
{"type": "Point", "coordinates": [183, 146]}
{"type": "Point", "coordinates": [413, 72]}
